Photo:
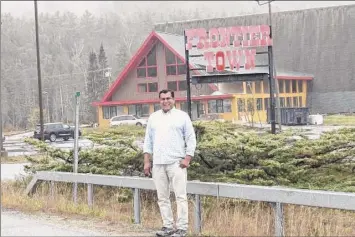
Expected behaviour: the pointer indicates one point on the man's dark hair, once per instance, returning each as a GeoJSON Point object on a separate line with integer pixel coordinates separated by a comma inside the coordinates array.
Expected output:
{"type": "Point", "coordinates": [166, 91]}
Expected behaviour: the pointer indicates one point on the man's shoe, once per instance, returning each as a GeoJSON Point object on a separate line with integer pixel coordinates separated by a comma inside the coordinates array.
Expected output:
{"type": "Point", "coordinates": [179, 233]}
{"type": "Point", "coordinates": [165, 231]}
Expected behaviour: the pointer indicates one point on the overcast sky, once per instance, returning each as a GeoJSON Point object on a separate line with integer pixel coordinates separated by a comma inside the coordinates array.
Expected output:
{"type": "Point", "coordinates": [21, 8]}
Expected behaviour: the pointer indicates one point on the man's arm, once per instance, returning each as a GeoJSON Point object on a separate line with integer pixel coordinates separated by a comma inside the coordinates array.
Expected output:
{"type": "Point", "coordinates": [148, 148]}
{"type": "Point", "coordinates": [190, 138]}
{"type": "Point", "coordinates": [148, 142]}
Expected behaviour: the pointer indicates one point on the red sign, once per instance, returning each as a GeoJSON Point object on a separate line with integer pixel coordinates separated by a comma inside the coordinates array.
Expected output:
{"type": "Point", "coordinates": [217, 43]}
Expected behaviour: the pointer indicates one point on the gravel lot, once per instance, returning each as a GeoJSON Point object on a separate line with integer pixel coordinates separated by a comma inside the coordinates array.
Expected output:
{"type": "Point", "coordinates": [14, 223]}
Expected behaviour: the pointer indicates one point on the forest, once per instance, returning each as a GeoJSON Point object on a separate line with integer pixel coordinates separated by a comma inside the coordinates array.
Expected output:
{"type": "Point", "coordinates": [78, 53]}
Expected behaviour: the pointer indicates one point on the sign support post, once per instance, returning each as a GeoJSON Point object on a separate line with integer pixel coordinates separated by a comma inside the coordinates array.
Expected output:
{"type": "Point", "coordinates": [188, 79]}
{"type": "Point", "coordinates": [76, 141]}
{"type": "Point", "coordinates": [271, 88]}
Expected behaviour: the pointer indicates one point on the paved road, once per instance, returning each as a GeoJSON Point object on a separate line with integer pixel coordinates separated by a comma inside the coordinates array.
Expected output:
{"type": "Point", "coordinates": [12, 171]}
{"type": "Point", "coordinates": [310, 131]}
{"type": "Point", "coordinates": [14, 223]}
{"type": "Point", "coordinates": [18, 224]}
{"type": "Point", "coordinates": [16, 146]}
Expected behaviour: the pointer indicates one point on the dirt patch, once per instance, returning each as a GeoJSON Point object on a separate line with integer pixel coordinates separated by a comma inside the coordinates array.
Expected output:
{"type": "Point", "coordinates": [76, 222]}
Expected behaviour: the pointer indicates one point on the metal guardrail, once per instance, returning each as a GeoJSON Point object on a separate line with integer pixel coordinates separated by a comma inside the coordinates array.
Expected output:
{"type": "Point", "coordinates": [275, 195]}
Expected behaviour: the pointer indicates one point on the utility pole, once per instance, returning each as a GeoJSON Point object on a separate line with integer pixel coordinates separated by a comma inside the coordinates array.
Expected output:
{"type": "Point", "coordinates": [272, 79]}
{"type": "Point", "coordinates": [39, 73]}
{"type": "Point", "coordinates": [76, 141]}
{"type": "Point", "coordinates": [275, 77]}
{"type": "Point", "coordinates": [3, 153]}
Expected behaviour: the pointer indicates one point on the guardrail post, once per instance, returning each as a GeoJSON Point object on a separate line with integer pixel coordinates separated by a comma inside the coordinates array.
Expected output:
{"type": "Point", "coordinates": [32, 186]}
{"type": "Point", "coordinates": [279, 219]}
{"type": "Point", "coordinates": [90, 195]}
{"type": "Point", "coordinates": [75, 192]}
{"type": "Point", "coordinates": [197, 214]}
{"type": "Point", "coordinates": [137, 206]}
{"type": "Point", "coordinates": [52, 189]}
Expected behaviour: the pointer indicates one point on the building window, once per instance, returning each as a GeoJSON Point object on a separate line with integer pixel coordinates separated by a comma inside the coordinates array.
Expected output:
{"type": "Point", "coordinates": [258, 85]}
{"type": "Point", "coordinates": [111, 111]}
{"type": "Point", "coordinates": [174, 65]}
{"type": "Point", "coordinates": [259, 104]}
{"type": "Point", "coordinates": [300, 86]}
{"type": "Point", "coordinates": [295, 101]}
{"type": "Point", "coordinates": [120, 110]}
{"type": "Point", "coordinates": [266, 103]}
{"type": "Point", "coordinates": [288, 102]}
{"type": "Point", "coordinates": [145, 110]}
{"type": "Point", "coordinates": [183, 106]}
{"type": "Point", "coordinates": [212, 106]}
{"type": "Point", "coordinates": [153, 87]}
{"type": "Point", "coordinates": [172, 85]}
{"type": "Point", "coordinates": [219, 106]}
{"type": "Point", "coordinates": [132, 109]}
{"type": "Point", "coordinates": [300, 101]}
{"type": "Point", "coordinates": [177, 85]}
{"type": "Point", "coordinates": [227, 106]}
{"type": "Point", "coordinates": [200, 108]}
{"type": "Point", "coordinates": [266, 86]}
{"type": "Point", "coordinates": [250, 105]}
{"type": "Point", "coordinates": [241, 105]}
{"type": "Point", "coordinates": [282, 102]}
{"type": "Point", "coordinates": [294, 86]}
{"type": "Point", "coordinates": [147, 87]}
{"type": "Point", "coordinates": [142, 87]}
{"type": "Point", "coordinates": [281, 86]}
{"type": "Point", "coordinates": [106, 112]}
{"type": "Point", "coordinates": [182, 85]}
{"type": "Point", "coordinates": [288, 86]}
{"type": "Point", "coordinates": [156, 107]}
{"type": "Point", "coordinates": [249, 88]}
{"type": "Point", "coordinates": [140, 110]}
{"type": "Point", "coordinates": [148, 65]}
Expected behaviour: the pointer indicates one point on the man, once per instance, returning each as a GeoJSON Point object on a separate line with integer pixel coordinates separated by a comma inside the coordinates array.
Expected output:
{"type": "Point", "coordinates": [170, 139]}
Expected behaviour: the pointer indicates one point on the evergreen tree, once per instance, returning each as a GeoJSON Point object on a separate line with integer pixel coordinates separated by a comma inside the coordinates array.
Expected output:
{"type": "Point", "coordinates": [92, 78]}
{"type": "Point", "coordinates": [103, 82]}
{"type": "Point", "coordinates": [92, 74]}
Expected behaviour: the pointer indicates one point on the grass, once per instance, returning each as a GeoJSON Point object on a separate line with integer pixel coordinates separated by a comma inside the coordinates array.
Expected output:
{"type": "Point", "coordinates": [340, 119]}
{"type": "Point", "coordinates": [221, 217]}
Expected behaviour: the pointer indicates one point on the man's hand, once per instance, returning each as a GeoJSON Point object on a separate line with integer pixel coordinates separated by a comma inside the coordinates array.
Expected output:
{"type": "Point", "coordinates": [147, 168]}
{"type": "Point", "coordinates": [185, 162]}
{"type": "Point", "coordinates": [147, 165]}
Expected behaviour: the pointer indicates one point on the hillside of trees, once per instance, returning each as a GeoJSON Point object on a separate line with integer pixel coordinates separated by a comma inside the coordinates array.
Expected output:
{"type": "Point", "coordinates": [78, 53]}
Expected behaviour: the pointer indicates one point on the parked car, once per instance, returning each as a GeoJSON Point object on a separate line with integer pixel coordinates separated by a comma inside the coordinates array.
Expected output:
{"type": "Point", "coordinates": [128, 120]}
{"type": "Point", "coordinates": [52, 131]}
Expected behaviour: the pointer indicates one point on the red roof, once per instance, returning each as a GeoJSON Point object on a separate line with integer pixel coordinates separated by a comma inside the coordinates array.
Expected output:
{"type": "Point", "coordinates": [194, 98]}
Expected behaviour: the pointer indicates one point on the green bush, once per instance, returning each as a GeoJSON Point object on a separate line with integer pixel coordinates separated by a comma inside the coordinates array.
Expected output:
{"type": "Point", "coordinates": [226, 153]}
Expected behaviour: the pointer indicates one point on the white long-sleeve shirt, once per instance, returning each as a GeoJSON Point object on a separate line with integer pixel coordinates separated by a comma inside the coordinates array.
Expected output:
{"type": "Point", "coordinates": [169, 136]}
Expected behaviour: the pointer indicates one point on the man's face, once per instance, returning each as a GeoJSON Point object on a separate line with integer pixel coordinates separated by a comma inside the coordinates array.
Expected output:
{"type": "Point", "coordinates": [166, 101]}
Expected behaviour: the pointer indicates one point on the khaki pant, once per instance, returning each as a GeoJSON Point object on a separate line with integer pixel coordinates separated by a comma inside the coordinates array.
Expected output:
{"type": "Point", "coordinates": [172, 175]}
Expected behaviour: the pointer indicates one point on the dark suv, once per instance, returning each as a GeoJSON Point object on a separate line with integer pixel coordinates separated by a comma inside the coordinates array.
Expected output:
{"type": "Point", "coordinates": [52, 131]}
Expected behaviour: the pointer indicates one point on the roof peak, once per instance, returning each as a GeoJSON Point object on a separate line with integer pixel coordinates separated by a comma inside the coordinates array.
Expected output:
{"type": "Point", "coordinates": [168, 33]}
